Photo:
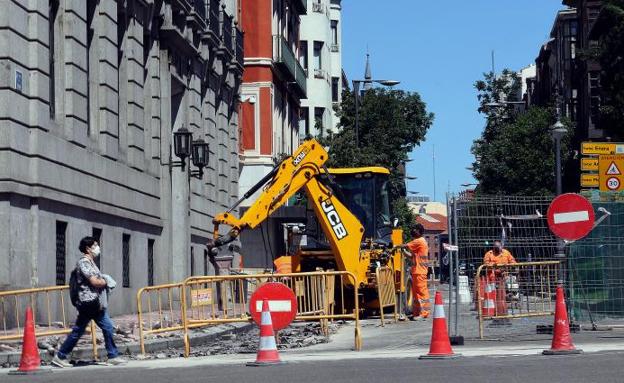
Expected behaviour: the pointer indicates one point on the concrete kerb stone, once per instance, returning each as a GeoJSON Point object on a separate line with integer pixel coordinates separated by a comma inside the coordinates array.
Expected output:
{"type": "Point", "coordinates": [151, 345]}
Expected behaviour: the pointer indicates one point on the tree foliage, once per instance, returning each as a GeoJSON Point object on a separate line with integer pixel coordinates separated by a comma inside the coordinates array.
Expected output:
{"type": "Point", "coordinates": [515, 153]}
{"type": "Point", "coordinates": [391, 124]}
{"type": "Point", "coordinates": [610, 30]}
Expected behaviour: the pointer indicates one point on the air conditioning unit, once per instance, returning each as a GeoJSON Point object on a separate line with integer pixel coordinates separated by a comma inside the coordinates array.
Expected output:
{"type": "Point", "coordinates": [335, 48]}
{"type": "Point", "coordinates": [317, 7]}
{"type": "Point", "coordinates": [319, 73]}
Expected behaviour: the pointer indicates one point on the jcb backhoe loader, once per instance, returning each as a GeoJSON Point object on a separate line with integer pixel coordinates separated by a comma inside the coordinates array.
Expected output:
{"type": "Point", "coordinates": [352, 210]}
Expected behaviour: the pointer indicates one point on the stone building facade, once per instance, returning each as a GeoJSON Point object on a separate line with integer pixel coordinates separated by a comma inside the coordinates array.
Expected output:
{"type": "Point", "coordinates": [91, 92]}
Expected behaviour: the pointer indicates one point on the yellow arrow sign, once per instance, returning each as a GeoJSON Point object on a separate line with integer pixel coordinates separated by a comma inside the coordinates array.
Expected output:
{"type": "Point", "coordinates": [590, 180]}
{"type": "Point", "coordinates": [595, 148]}
{"type": "Point", "coordinates": [589, 164]}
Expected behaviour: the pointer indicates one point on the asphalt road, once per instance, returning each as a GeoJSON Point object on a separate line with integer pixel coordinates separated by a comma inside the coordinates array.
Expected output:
{"type": "Point", "coordinates": [596, 367]}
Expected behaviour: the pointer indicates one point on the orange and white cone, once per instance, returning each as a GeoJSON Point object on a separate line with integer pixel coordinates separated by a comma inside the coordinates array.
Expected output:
{"type": "Point", "coordinates": [562, 340]}
{"type": "Point", "coordinates": [30, 362]}
{"type": "Point", "coordinates": [488, 308]}
{"type": "Point", "coordinates": [267, 350]}
{"type": "Point", "coordinates": [440, 347]}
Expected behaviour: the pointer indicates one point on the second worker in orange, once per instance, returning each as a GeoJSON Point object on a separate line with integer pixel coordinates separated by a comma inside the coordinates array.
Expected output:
{"type": "Point", "coordinates": [419, 270]}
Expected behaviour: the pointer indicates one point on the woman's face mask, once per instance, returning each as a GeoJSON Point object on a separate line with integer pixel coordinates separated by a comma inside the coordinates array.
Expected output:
{"type": "Point", "coordinates": [95, 251]}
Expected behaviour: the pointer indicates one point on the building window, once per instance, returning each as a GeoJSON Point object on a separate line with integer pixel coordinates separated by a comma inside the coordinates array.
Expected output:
{"type": "Point", "coordinates": [319, 115]}
{"type": "Point", "coordinates": [92, 65]}
{"type": "Point", "coordinates": [125, 253]}
{"type": "Point", "coordinates": [53, 38]}
{"type": "Point", "coordinates": [192, 262]}
{"type": "Point", "coordinates": [150, 262]}
{"type": "Point", "coordinates": [334, 32]}
{"type": "Point", "coordinates": [335, 89]}
{"type": "Point", "coordinates": [318, 53]}
{"type": "Point", "coordinates": [96, 233]}
{"type": "Point", "coordinates": [61, 251]}
{"type": "Point", "coordinates": [304, 123]}
{"type": "Point", "coordinates": [303, 54]}
{"type": "Point", "coordinates": [205, 262]}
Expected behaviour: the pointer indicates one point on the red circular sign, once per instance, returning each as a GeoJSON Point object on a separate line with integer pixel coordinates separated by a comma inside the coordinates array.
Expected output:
{"type": "Point", "coordinates": [282, 304]}
{"type": "Point", "coordinates": [570, 216]}
{"type": "Point", "coordinates": [613, 183]}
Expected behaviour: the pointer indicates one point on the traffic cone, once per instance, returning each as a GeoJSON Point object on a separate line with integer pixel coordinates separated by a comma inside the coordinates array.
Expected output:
{"type": "Point", "coordinates": [440, 347]}
{"type": "Point", "coordinates": [487, 308]}
{"type": "Point", "coordinates": [267, 350]}
{"type": "Point", "coordinates": [30, 362]}
{"type": "Point", "coordinates": [562, 340]}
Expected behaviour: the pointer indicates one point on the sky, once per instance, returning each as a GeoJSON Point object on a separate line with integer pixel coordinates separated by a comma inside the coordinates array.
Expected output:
{"type": "Point", "coordinates": [439, 49]}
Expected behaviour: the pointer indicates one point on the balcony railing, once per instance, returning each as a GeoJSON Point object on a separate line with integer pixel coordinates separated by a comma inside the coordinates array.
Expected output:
{"type": "Point", "coordinates": [226, 31]}
{"type": "Point", "coordinates": [239, 43]}
{"type": "Point", "coordinates": [318, 8]}
{"type": "Point", "coordinates": [286, 60]}
{"type": "Point", "coordinates": [213, 15]}
{"type": "Point", "coordinates": [200, 8]}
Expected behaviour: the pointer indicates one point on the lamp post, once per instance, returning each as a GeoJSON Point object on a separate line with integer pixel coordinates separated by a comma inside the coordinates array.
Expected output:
{"type": "Point", "coordinates": [558, 130]}
{"type": "Point", "coordinates": [356, 91]}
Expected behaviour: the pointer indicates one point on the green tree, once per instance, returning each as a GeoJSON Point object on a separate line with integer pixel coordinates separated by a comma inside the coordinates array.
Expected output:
{"type": "Point", "coordinates": [391, 124]}
{"type": "Point", "coordinates": [609, 29]}
{"type": "Point", "coordinates": [515, 153]}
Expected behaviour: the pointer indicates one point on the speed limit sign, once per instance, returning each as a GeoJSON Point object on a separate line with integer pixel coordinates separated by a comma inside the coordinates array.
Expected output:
{"type": "Point", "coordinates": [613, 183]}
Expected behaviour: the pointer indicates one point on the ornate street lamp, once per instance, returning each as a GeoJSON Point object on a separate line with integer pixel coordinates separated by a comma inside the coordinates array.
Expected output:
{"type": "Point", "coordinates": [182, 146]}
{"type": "Point", "coordinates": [200, 153]}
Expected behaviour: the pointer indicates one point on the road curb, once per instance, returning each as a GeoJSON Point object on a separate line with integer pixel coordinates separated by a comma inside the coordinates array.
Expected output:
{"type": "Point", "coordinates": [134, 348]}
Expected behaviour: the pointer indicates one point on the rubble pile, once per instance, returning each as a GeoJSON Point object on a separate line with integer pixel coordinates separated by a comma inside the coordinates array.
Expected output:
{"type": "Point", "coordinates": [296, 336]}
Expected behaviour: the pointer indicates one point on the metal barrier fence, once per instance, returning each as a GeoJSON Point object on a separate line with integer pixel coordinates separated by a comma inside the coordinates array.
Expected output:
{"type": "Point", "coordinates": [202, 301]}
{"type": "Point", "coordinates": [386, 292]}
{"type": "Point", "coordinates": [515, 291]}
{"type": "Point", "coordinates": [596, 270]}
{"type": "Point", "coordinates": [54, 321]}
{"type": "Point", "coordinates": [164, 310]}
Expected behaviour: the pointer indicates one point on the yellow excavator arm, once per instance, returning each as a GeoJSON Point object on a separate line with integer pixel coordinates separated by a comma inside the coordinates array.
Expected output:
{"type": "Point", "coordinates": [342, 229]}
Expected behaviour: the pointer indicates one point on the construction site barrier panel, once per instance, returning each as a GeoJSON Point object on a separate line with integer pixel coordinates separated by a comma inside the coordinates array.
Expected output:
{"type": "Point", "coordinates": [160, 309]}
{"type": "Point", "coordinates": [386, 292]}
{"type": "Point", "coordinates": [321, 296]}
{"type": "Point", "coordinates": [50, 307]}
{"type": "Point", "coordinates": [518, 290]}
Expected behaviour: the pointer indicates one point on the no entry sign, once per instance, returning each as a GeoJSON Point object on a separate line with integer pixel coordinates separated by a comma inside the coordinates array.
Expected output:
{"type": "Point", "coordinates": [282, 304]}
{"type": "Point", "coordinates": [570, 216]}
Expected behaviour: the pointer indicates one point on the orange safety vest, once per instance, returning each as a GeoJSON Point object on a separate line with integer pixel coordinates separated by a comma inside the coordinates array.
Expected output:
{"type": "Point", "coordinates": [420, 254]}
{"type": "Point", "coordinates": [504, 258]}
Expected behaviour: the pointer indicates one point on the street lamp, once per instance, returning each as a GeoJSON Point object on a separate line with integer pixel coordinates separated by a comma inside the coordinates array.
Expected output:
{"type": "Point", "coordinates": [558, 130]}
{"type": "Point", "coordinates": [410, 177]}
{"type": "Point", "coordinates": [184, 147]}
{"type": "Point", "coordinates": [413, 192]}
{"type": "Point", "coordinates": [200, 156]}
{"type": "Point", "coordinates": [467, 185]}
{"type": "Point", "coordinates": [356, 90]}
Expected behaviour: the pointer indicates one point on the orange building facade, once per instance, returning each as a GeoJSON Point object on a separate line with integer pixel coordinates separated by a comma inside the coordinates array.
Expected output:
{"type": "Point", "coordinates": [273, 85]}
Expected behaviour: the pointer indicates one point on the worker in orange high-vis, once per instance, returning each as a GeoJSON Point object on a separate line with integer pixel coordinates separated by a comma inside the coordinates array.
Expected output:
{"type": "Point", "coordinates": [496, 257]}
{"type": "Point", "coordinates": [420, 266]}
